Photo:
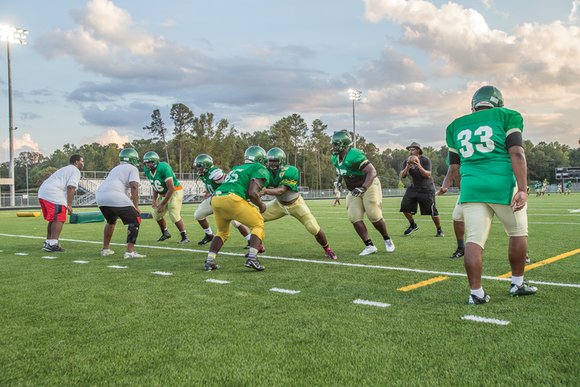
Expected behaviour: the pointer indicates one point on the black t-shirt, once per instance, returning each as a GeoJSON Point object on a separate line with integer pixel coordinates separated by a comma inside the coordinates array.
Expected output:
{"type": "Point", "coordinates": [420, 183]}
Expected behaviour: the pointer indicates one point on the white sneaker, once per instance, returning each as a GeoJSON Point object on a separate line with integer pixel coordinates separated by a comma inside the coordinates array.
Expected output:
{"type": "Point", "coordinates": [106, 252]}
{"type": "Point", "coordinates": [369, 250]}
{"type": "Point", "coordinates": [133, 254]}
{"type": "Point", "coordinates": [390, 245]}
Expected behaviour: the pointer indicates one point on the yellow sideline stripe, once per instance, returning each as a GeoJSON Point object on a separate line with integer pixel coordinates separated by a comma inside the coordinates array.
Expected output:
{"type": "Point", "coordinates": [544, 262]}
{"type": "Point", "coordinates": [423, 283]}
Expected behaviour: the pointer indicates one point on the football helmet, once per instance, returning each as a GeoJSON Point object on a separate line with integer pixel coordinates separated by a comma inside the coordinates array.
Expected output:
{"type": "Point", "coordinates": [255, 154]}
{"type": "Point", "coordinates": [486, 96]}
{"type": "Point", "coordinates": [129, 155]}
{"type": "Point", "coordinates": [151, 157]}
{"type": "Point", "coordinates": [276, 158]}
{"type": "Point", "coordinates": [341, 140]}
{"type": "Point", "coordinates": [202, 163]}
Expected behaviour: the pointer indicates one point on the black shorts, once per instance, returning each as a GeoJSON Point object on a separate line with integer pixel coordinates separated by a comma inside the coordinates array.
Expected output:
{"type": "Point", "coordinates": [128, 215]}
{"type": "Point", "coordinates": [426, 201]}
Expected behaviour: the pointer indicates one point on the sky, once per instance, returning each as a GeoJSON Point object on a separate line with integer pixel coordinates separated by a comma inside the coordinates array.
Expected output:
{"type": "Point", "coordinates": [94, 70]}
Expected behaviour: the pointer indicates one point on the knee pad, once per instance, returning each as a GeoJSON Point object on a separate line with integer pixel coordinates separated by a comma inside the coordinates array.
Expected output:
{"type": "Point", "coordinates": [132, 233]}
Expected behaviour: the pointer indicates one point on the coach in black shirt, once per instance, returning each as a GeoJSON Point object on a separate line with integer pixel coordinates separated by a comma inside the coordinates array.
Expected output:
{"type": "Point", "coordinates": [421, 190]}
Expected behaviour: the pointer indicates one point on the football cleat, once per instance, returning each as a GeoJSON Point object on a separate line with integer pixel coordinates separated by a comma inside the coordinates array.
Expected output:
{"type": "Point", "coordinates": [253, 263]}
{"type": "Point", "coordinates": [328, 253]}
{"type": "Point", "coordinates": [411, 229]}
{"type": "Point", "coordinates": [183, 241]}
{"type": "Point", "coordinates": [106, 252]}
{"type": "Point", "coordinates": [474, 300]}
{"type": "Point", "coordinates": [522, 290]}
{"type": "Point", "coordinates": [133, 255]}
{"type": "Point", "coordinates": [440, 234]}
{"type": "Point", "coordinates": [390, 245]}
{"type": "Point", "coordinates": [528, 260]}
{"type": "Point", "coordinates": [210, 265]}
{"type": "Point", "coordinates": [164, 237]}
{"type": "Point", "coordinates": [370, 249]}
{"type": "Point", "coordinates": [53, 248]}
{"type": "Point", "coordinates": [206, 239]}
{"type": "Point", "coordinates": [458, 253]}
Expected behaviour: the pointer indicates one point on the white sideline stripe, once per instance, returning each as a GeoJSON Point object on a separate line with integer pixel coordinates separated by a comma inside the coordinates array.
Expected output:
{"type": "Point", "coordinates": [79, 261]}
{"type": "Point", "coordinates": [371, 303]}
{"type": "Point", "coordinates": [216, 281]}
{"type": "Point", "coordinates": [161, 273]}
{"type": "Point", "coordinates": [302, 260]}
{"type": "Point", "coordinates": [287, 291]}
{"type": "Point", "coordinates": [48, 257]}
{"type": "Point", "coordinates": [20, 253]}
{"type": "Point", "coordinates": [485, 320]}
{"type": "Point", "coordinates": [118, 267]}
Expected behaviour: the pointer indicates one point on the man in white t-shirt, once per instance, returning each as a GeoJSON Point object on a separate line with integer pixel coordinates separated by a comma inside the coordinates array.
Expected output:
{"type": "Point", "coordinates": [56, 196]}
{"type": "Point", "coordinates": [118, 197]}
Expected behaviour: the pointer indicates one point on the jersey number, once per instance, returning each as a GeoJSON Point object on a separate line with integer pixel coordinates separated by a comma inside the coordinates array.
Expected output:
{"type": "Point", "coordinates": [157, 186]}
{"type": "Point", "coordinates": [232, 177]}
{"type": "Point", "coordinates": [485, 144]}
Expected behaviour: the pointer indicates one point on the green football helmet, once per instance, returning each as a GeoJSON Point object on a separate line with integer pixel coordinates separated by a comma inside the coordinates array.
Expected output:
{"type": "Point", "coordinates": [276, 158]}
{"type": "Point", "coordinates": [151, 157]}
{"type": "Point", "coordinates": [341, 140]}
{"type": "Point", "coordinates": [255, 154]}
{"type": "Point", "coordinates": [129, 155]}
{"type": "Point", "coordinates": [486, 96]}
{"type": "Point", "coordinates": [202, 163]}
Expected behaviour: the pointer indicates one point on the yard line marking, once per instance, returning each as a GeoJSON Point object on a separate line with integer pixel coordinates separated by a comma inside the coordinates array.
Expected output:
{"type": "Point", "coordinates": [81, 262]}
{"type": "Point", "coordinates": [20, 253]}
{"type": "Point", "coordinates": [430, 281]}
{"type": "Point", "coordinates": [216, 281]}
{"type": "Point", "coordinates": [544, 262]}
{"type": "Point", "coordinates": [371, 303]}
{"type": "Point", "coordinates": [485, 320]}
{"type": "Point", "coordinates": [118, 267]}
{"type": "Point", "coordinates": [48, 257]}
{"type": "Point", "coordinates": [166, 273]}
{"type": "Point", "coordinates": [302, 260]}
{"type": "Point", "coordinates": [287, 291]}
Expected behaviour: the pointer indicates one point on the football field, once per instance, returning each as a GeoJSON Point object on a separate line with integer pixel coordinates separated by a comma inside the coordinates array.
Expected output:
{"type": "Point", "coordinates": [386, 319]}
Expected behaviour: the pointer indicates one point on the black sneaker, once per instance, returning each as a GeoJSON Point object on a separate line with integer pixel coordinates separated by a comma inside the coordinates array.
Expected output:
{"type": "Point", "coordinates": [206, 239]}
{"type": "Point", "coordinates": [210, 265]}
{"type": "Point", "coordinates": [522, 290]}
{"type": "Point", "coordinates": [528, 260]}
{"type": "Point", "coordinates": [458, 253]}
{"type": "Point", "coordinates": [253, 263]}
{"type": "Point", "coordinates": [474, 300]}
{"type": "Point", "coordinates": [440, 234]}
{"type": "Point", "coordinates": [164, 237]}
{"type": "Point", "coordinates": [53, 248]}
{"type": "Point", "coordinates": [183, 241]}
{"type": "Point", "coordinates": [411, 229]}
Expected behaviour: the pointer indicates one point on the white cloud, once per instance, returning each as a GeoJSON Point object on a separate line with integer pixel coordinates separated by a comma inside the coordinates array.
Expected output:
{"type": "Point", "coordinates": [573, 16]}
{"type": "Point", "coordinates": [24, 143]}
{"type": "Point", "coordinates": [111, 136]}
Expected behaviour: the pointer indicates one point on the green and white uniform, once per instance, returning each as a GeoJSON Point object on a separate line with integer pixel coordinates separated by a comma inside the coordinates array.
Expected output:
{"type": "Point", "coordinates": [351, 167]}
{"type": "Point", "coordinates": [238, 180]}
{"type": "Point", "coordinates": [158, 180]}
{"type": "Point", "coordinates": [486, 170]}
{"type": "Point", "coordinates": [211, 180]}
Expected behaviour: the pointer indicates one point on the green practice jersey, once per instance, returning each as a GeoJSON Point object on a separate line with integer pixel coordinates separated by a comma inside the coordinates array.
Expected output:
{"type": "Point", "coordinates": [479, 139]}
{"type": "Point", "coordinates": [351, 167]}
{"type": "Point", "coordinates": [238, 180]}
{"type": "Point", "coordinates": [212, 179]}
{"type": "Point", "coordinates": [159, 178]}
{"type": "Point", "coordinates": [287, 175]}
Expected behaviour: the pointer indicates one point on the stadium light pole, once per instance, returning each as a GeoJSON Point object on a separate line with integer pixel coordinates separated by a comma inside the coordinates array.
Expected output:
{"type": "Point", "coordinates": [354, 95]}
{"type": "Point", "coordinates": [9, 35]}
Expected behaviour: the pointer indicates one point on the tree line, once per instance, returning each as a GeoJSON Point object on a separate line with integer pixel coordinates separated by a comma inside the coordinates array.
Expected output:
{"type": "Point", "coordinates": [306, 146]}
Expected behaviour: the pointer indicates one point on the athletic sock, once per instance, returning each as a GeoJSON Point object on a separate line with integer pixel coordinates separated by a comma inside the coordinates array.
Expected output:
{"type": "Point", "coordinates": [368, 242]}
{"type": "Point", "coordinates": [478, 292]}
{"type": "Point", "coordinates": [248, 237]}
{"type": "Point", "coordinates": [211, 256]}
{"type": "Point", "coordinates": [252, 252]}
{"type": "Point", "coordinates": [208, 231]}
{"type": "Point", "coordinates": [460, 244]}
{"type": "Point", "coordinates": [517, 280]}
{"type": "Point", "coordinates": [183, 234]}
{"type": "Point", "coordinates": [52, 242]}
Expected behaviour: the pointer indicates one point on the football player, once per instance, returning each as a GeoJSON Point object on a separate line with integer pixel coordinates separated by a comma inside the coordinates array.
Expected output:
{"type": "Point", "coordinates": [230, 202]}
{"type": "Point", "coordinates": [488, 145]}
{"type": "Point", "coordinates": [288, 201]}
{"type": "Point", "coordinates": [365, 192]}
{"type": "Point", "coordinates": [167, 195]}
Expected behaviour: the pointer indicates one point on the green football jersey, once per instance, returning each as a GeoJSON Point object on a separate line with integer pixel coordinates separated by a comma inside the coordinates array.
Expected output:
{"type": "Point", "coordinates": [287, 175]}
{"type": "Point", "coordinates": [238, 180]}
{"type": "Point", "coordinates": [158, 180]}
{"type": "Point", "coordinates": [212, 179]}
{"type": "Point", "coordinates": [479, 139]}
{"type": "Point", "coordinates": [350, 167]}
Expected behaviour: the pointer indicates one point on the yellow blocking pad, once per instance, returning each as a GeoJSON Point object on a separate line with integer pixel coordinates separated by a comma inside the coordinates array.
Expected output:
{"type": "Point", "coordinates": [28, 214]}
{"type": "Point", "coordinates": [423, 283]}
{"type": "Point", "coordinates": [544, 262]}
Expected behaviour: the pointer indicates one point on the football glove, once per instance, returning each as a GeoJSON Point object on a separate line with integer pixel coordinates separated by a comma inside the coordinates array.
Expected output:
{"type": "Point", "coordinates": [357, 191]}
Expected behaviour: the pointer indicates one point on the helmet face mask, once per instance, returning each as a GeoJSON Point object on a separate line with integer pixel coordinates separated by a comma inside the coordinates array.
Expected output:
{"type": "Point", "coordinates": [202, 163]}
{"type": "Point", "coordinates": [276, 159]}
{"type": "Point", "coordinates": [341, 140]}
{"type": "Point", "coordinates": [255, 154]}
{"type": "Point", "coordinates": [151, 157]}
{"type": "Point", "coordinates": [486, 97]}
{"type": "Point", "coordinates": [129, 155]}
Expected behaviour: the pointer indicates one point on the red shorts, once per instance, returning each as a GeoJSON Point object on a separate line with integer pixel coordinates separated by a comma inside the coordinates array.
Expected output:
{"type": "Point", "coordinates": [53, 212]}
